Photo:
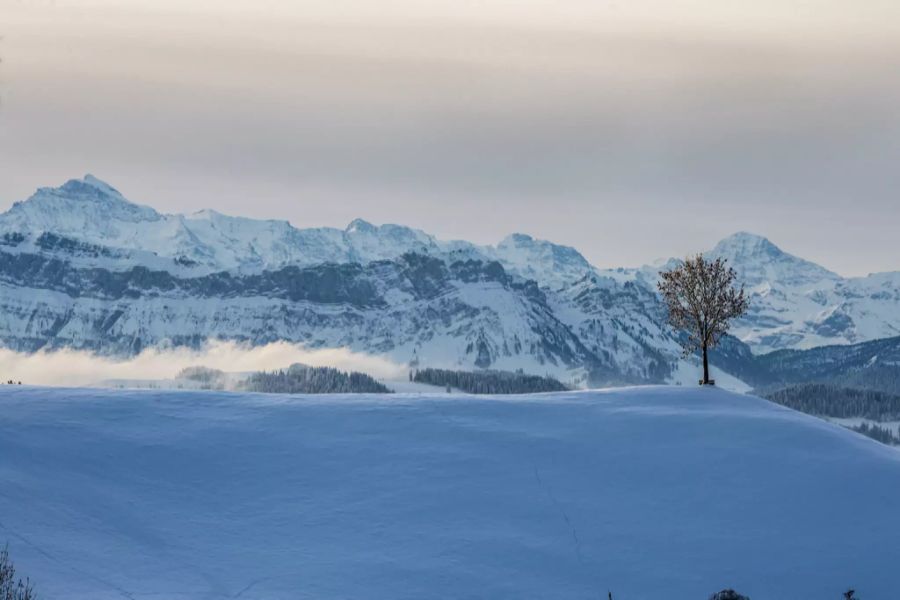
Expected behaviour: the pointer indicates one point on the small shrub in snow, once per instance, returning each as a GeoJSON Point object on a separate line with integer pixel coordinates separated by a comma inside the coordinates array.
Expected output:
{"type": "Point", "coordinates": [209, 379]}
{"type": "Point", "coordinates": [10, 587]}
{"type": "Point", "coordinates": [728, 595]}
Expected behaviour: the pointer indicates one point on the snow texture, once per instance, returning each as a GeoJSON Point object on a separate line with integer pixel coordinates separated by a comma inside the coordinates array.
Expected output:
{"type": "Point", "coordinates": [659, 492]}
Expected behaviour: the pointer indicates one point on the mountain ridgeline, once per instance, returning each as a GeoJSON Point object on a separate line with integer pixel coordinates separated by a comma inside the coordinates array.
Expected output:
{"type": "Point", "coordinates": [81, 267]}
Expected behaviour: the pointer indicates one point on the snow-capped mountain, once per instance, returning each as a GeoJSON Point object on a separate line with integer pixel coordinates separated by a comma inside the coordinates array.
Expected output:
{"type": "Point", "coordinates": [82, 267]}
{"type": "Point", "coordinates": [548, 263]}
{"type": "Point", "coordinates": [90, 211]}
{"type": "Point", "coordinates": [759, 262]}
{"type": "Point", "coordinates": [798, 304]}
{"type": "Point", "coordinates": [795, 303]}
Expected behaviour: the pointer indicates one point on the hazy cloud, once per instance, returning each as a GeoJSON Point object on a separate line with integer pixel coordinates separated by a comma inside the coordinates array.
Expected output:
{"type": "Point", "coordinates": [77, 368]}
{"type": "Point", "coordinates": [630, 132]}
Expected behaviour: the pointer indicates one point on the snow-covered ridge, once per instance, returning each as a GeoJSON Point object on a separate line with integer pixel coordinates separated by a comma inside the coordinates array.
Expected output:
{"type": "Point", "coordinates": [647, 492]}
{"type": "Point", "coordinates": [93, 212]}
{"type": "Point", "coordinates": [759, 262]}
{"type": "Point", "coordinates": [799, 304]}
{"type": "Point", "coordinates": [615, 314]}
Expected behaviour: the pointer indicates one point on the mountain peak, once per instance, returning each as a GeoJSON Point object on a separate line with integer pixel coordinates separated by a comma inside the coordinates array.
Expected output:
{"type": "Point", "coordinates": [744, 244]}
{"type": "Point", "coordinates": [758, 260]}
{"type": "Point", "coordinates": [546, 262]}
{"type": "Point", "coordinates": [206, 213]}
{"type": "Point", "coordinates": [86, 188]}
{"type": "Point", "coordinates": [99, 184]}
{"type": "Point", "coordinates": [360, 226]}
{"type": "Point", "coordinates": [78, 206]}
{"type": "Point", "coordinates": [518, 238]}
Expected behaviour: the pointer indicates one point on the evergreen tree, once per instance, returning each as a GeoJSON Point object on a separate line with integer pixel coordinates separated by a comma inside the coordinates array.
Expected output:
{"type": "Point", "coordinates": [488, 382]}
{"type": "Point", "coordinates": [301, 379]}
{"type": "Point", "coordinates": [828, 400]}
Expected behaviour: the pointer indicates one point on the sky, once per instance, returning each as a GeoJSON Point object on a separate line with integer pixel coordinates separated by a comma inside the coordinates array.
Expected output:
{"type": "Point", "coordinates": [631, 130]}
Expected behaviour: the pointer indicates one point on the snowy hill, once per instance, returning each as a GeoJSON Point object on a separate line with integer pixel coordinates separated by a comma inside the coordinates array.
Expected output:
{"type": "Point", "coordinates": [648, 492]}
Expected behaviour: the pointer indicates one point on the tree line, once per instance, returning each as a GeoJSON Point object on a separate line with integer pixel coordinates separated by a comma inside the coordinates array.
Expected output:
{"type": "Point", "coordinates": [839, 402]}
{"type": "Point", "coordinates": [302, 379]}
{"type": "Point", "coordinates": [878, 433]}
{"type": "Point", "coordinates": [488, 382]}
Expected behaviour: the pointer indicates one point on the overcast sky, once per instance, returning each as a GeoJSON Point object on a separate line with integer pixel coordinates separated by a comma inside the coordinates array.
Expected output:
{"type": "Point", "coordinates": [630, 129]}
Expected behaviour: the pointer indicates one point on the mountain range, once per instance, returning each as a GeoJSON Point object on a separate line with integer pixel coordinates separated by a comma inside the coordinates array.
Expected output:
{"type": "Point", "coordinates": [83, 267]}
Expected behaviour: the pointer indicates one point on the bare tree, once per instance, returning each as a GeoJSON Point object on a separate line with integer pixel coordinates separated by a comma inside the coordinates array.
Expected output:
{"type": "Point", "coordinates": [702, 299]}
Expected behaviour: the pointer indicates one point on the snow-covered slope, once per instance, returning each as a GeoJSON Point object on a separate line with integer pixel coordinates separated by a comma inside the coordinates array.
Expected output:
{"type": "Point", "coordinates": [648, 492]}
{"type": "Point", "coordinates": [758, 261]}
{"type": "Point", "coordinates": [416, 308]}
{"type": "Point", "coordinates": [93, 212]}
{"type": "Point", "coordinates": [548, 263]}
{"type": "Point", "coordinates": [798, 304]}
{"type": "Point", "coordinates": [82, 267]}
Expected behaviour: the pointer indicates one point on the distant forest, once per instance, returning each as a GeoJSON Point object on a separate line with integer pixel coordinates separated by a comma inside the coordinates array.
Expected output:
{"type": "Point", "coordinates": [489, 382]}
{"type": "Point", "coordinates": [827, 400]}
{"type": "Point", "coordinates": [839, 402]}
{"type": "Point", "coordinates": [873, 365]}
{"type": "Point", "coordinates": [302, 379]}
{"type": "Point", "coordinates": [881, 434]}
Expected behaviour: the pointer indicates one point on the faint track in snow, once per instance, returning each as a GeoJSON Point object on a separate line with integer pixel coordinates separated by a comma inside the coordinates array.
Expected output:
{"type": "Point", "coordinates": [250, 586]}
{"type": "Point", "coordinates": [562, 511]}
{"type": "Point", "coordinates": [121, 591]}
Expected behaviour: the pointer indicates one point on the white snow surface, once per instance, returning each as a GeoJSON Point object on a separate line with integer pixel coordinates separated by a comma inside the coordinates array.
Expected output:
{"type": "Point", "coordinates": [659, 492]}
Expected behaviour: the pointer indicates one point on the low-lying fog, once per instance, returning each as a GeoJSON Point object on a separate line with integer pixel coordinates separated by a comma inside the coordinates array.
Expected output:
{"type": "Point", "coordinates": [77, 368]}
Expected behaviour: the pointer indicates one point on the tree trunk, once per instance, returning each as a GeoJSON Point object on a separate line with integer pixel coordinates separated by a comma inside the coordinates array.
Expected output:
{"type": "Point", "coordinates": [705, 365]}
